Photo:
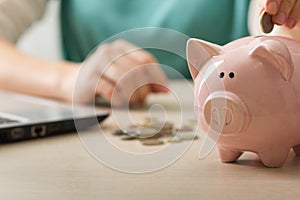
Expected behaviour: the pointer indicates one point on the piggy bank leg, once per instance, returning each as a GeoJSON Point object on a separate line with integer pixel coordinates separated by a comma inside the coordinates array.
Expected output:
{"type": "Point", "coordinates": [297, 150]}
{"type": "Point", "coordinates": [274, 158]}
{"type": "Point", "coordinates": [229, 154]}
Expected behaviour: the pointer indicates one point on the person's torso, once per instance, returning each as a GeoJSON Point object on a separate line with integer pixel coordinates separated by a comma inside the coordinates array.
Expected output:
{"type": "Point", "coordinates": [86, 24]}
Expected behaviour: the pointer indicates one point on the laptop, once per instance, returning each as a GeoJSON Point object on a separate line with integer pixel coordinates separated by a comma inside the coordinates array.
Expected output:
{"type": "Point", "coordinates": [25, 117]}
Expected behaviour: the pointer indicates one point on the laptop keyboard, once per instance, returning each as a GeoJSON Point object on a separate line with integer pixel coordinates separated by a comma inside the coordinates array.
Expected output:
{"type": "Point", "coordinates": [6, 120]}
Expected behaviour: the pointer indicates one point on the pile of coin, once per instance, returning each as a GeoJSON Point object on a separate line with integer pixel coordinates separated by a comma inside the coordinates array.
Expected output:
{"type": "Point", "coordinates": [155, 132]}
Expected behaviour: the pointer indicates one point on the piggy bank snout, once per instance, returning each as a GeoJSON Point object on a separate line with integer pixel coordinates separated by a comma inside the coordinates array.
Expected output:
{"type": "Point", "coordinates": [225, 112]}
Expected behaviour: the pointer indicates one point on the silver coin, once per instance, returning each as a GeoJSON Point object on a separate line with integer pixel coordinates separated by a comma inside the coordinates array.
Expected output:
{"type": "Point", "coordinates": [147, 132]}
{"type": "Point", "coordinates": [166, 132]}
{"type": "Point", "coordinates": [118, 133]}
{"type": "Point", "coordinates": [187, 135]}
{"type": "Point", "coordinates": [185, 128]}
{"type": "Point", "coordinates": [193, 121]}
{"type": "Point", "coordinates": [266, 23]}
{"type": "Point", "coordinates": [152, 142]}
{"type": "Point", "coordinates": [127, 137]}
{"type": "Point", "coordinates": [142, 132]}
{"type": "Point", "coordinates": [174, 139]}
{"type": "Point", "coordinates": [131, 131]}
{"type": "Point", "coordinates": [162, 125]}
{"type": "Point", "coordinates": [167, 125]}
{"type": "Point", "coordinates": [150, 120]}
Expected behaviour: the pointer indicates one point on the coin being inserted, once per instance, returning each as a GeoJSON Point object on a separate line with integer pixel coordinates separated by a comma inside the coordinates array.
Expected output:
{"type": "Point", "coordinates": [266, 23]}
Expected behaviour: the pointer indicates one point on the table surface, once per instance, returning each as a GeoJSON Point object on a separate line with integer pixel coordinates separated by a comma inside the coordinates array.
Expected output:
{"type": "Point", "coordinates": [62, 167]}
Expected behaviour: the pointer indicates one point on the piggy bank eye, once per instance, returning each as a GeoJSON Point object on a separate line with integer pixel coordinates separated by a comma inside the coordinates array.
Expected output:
{"type": "Point", "coordinates": [231, 75]}
{"type": "Point", "coordinates": [221, 75]}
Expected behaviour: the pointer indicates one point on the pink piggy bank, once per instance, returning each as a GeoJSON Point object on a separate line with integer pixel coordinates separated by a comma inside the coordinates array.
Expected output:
{"type": "Point", "coordinates": [247, 96]}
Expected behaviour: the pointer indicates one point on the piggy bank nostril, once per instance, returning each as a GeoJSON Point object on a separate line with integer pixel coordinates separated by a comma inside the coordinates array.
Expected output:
{"type": "Point", "coordinates": [222, 74]}
{"type": "Point", "coordinates": [228, 115]}
{"type": "Point", "coordinates": [231, 75]}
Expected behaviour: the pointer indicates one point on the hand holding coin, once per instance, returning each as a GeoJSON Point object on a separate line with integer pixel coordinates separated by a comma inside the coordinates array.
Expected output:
{"type": "Point", "coordinates": [283, 12]}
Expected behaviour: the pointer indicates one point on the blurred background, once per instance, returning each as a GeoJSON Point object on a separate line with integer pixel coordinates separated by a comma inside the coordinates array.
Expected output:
{"type": "Point", "coordinates": [43, 38]}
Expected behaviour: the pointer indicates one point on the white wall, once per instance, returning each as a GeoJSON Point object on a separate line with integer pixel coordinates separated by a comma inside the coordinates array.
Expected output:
{"type": "Point", "coordinates": [43, 38]}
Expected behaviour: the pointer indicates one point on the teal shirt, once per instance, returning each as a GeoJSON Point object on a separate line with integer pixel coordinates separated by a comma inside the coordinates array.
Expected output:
{"type": "Point", "coordinates": [86, 24]}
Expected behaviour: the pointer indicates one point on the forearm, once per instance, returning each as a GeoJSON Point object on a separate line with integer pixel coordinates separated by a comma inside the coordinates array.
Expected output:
{"type": "Point", "coordinates": [30, 75]}
{"type": "Point", "coordinates": [17, 15]}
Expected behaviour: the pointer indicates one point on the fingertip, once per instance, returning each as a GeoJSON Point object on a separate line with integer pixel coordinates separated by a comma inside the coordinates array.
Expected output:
{"type": "Point", "coordinates": [294, 17]}
{"type": "Point", "coordinates": [280, 18]}
{"type": "Point", "coordinates": [290, 23]}
{"type": "Point", "coordinates": [272, 7]}
{"type": "Point", "coordinates": [145, 58]}
{"type": "Point", "coordinates": [160, 88]}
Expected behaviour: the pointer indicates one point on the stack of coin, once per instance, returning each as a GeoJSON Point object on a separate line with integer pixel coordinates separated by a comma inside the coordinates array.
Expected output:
{"type": "Point", "coordinates": [165, 128]}
{"type": "Point", "coordinates": [155, 132]}
{"type": "Point", "coordinates": [186, 133]}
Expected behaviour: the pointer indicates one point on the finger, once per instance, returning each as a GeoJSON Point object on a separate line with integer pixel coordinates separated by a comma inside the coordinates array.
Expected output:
{"type": "Point", "coordinates": [135, 96]}
{"type": "Point", "coordinates": [125, 59]}
{"type": "Point", "coordinates": [103, 57]}
{"type": "Point", "coordinates": [294, 16]}
{"type": "Point", "coordinates": [159, 81]}
{"type": "Point", "coordinates": [105, 88]}
{"type": "Point", "coordinates": [124, 63]}
{"type": "Point", "coordinates": [134, 90]}
{"type": "Point", "coordinates": [155, 76]}
{"type": "Point", "coordinates": [129, 55]}
{"type": "Point", "coordinates": [150, 72]}
{"type": "Point", "coordinates": [143, 92]}
{"type": "Point", "coordinates": [283, 12]}
{"type": "Point", "coordinates": [136, 53]}
{"type": "Point", "coordinates": [113, 67]}
{"type": "Point", "coordinates": [134, 78]}
{"type": "Point", "coordinates": [272, 6]}
{"type": "Point", "coordinates": [139, 95]}
{"type": "Point", "coordinates": [96, 63]}
{"type": "Point", "coordinates": [157, 88]}
{"type": "Point", "coordinates": [124, 83]}
{"type": "Point", "coordinates": [89, 74]}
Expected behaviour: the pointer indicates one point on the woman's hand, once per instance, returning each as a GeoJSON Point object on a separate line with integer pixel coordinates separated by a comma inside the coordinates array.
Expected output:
{"type": "Point", "coordinates": [121, 73]}
{"type": "Point", "coordinates": [285, 12]}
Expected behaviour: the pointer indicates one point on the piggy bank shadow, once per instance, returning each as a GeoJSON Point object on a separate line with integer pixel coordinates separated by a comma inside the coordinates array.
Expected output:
{"type": "Point", "coordinates": [248, 159]}
{"type": "Point", "coordinates": [252, 160]}
{"type": "Point", "coordinates": [253, 168]}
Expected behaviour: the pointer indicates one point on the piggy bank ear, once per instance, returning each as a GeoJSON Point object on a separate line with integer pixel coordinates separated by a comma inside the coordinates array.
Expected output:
{"type": "Point", "coordinates": [277, 54]}
{"type": "Point", "coordinates": [198, 53]}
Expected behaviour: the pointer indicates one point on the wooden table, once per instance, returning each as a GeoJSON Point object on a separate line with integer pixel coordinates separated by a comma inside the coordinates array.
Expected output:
{"type": "Point", "coordinates": [61, 168]}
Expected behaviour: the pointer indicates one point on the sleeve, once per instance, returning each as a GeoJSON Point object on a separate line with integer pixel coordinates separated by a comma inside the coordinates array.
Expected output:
{"type": "Point", "coordinates": [255, 8]}
{"type": "Point", "coordinates": [17, 15]}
